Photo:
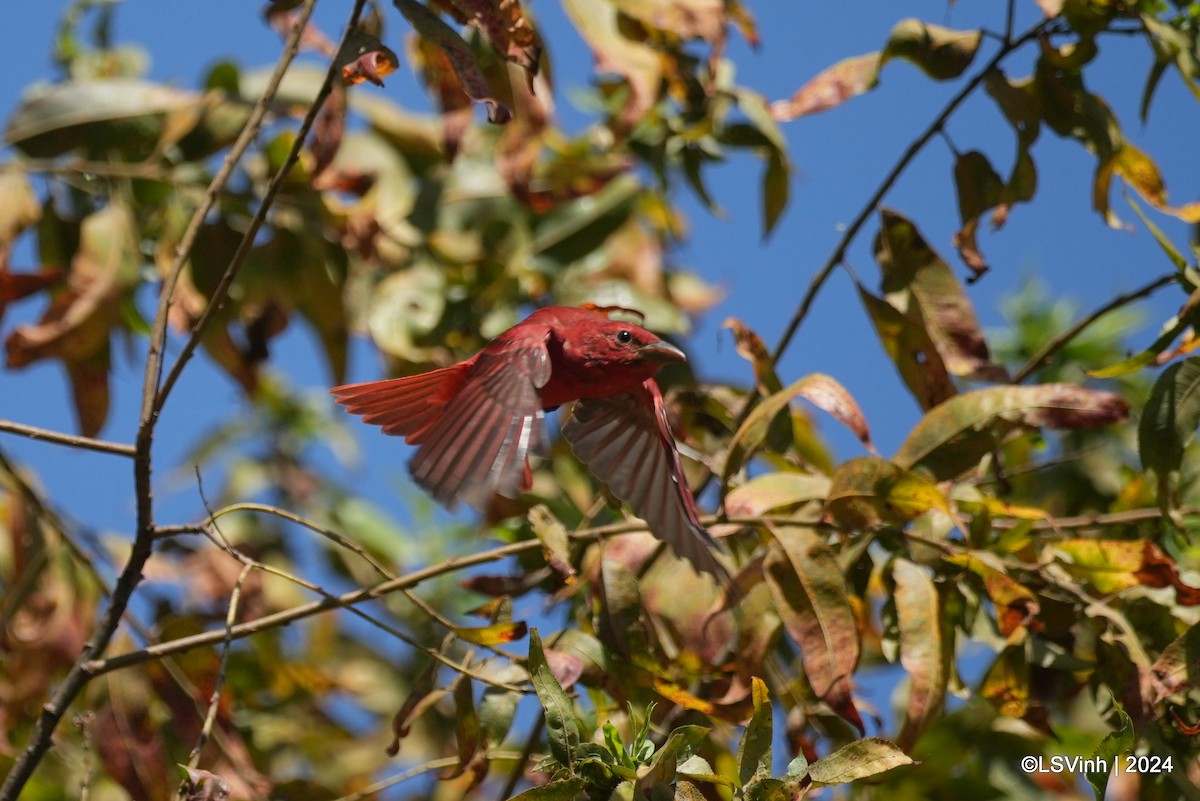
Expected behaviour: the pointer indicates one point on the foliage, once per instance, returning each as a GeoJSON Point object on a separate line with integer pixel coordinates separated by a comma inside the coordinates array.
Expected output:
{"type": "Point", "coordinates": [1031, 579]}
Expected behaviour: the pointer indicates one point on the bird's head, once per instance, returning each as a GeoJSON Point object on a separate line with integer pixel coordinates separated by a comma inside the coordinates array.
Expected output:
{"type": "Point", "coordinates": [599, 341]}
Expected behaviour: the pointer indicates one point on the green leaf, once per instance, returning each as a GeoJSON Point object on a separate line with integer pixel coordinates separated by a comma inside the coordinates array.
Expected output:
{"type": "Point", "coordinates": [467, 732]}
{"type": "Point", "coordinates": [1170, 418]}
{"type": "Point", "coordinates": [952, 437]}
{"type": "Point", "coordinates": [754, 751]}
{"type": "Point", "coordinates": [681, 744]}
{"type": "Point", "coordinates": [941, 53]}
{"type": "Point", "coordinates": [773, 491]}
{"type": "Point", "coordinates": [560, 790]}
{"type": "Point", "coordinates": [908, 344]}
{"type": "Point", "coordinates": [858, 760]}
{"type": "Point", "coordinates": [868, 491]}
{"type": "Point", "coordinates": [1114, 745]}
{"type": "Point", "coordinates": [561, 725]}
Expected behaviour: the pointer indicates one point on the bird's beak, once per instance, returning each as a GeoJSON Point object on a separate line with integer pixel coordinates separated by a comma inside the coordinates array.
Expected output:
{"type": "Point", "coordinates": [661, 353]}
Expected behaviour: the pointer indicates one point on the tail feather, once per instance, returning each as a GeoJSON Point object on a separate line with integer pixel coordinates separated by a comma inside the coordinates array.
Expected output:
{"type": "Point", "coordinates": [407, 406]}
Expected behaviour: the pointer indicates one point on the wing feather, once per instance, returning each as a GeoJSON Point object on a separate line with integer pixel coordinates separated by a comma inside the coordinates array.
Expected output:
{"type": "Point", "coordinates": [626, 442]}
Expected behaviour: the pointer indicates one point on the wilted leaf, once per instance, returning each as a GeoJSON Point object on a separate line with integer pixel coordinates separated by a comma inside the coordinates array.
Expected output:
{"type": "Point", "coordinates": [954, 436]}
{"type": "Point", "coordinates": [751, 348]}
{"type": "Point", "coordinates": [828, 90]}
{"type": "Point", "coordinates": [1015, 604]}
{"type": "Point", "coordinates": [1177, 669]}
{"type": "Point", "coordinates": [561, 726]}
{"type": "Point", "coordinates": [364, 58]}
{"type": "Point", "coordinates": [600, 27]}
{"type": "Point", "coordinates": [820, 390]}
{"type": "Point", "coordinates": [507, 27]}
{"type": "Point", "coordinates": [909, 346]}
{"type": "Point", "coordinates": [918, 283]}
{"type": "Point", "coordinates": [1170, 418]}
{"type": "Point", "coordinates": [203, 785]}
{"type": "Point", "coordinates": [858, 760]}
{"type": "Point", "coordinates": [1140, 172]}
{"type": "Point", "coordinates": [926, 651]}
{"type": "Point", "coordinates": [811, 596]}
{"type": "Point", "coordinates": [432, 28]}
{"type": "Point", "coordinates": [19, 209]}
{"type": "Point", "coordinates": [467, 732]}
{"type": "Point", "coordinates": [404, 307]}
{"type": "Point", "coordinates": [420, 697]}
{"type": "Point", "coordinates": [941, 53]}
{"type": "Point", "coordinates": [868, 491]}
{"type": "Point", "coordinates": [1115, 565]}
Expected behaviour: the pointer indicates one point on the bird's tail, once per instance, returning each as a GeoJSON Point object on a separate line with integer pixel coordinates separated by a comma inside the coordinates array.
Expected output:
{"type": "Point", "coordinates": [408, 407]}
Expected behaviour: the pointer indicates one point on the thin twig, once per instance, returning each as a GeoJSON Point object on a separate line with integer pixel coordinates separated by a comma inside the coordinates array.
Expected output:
{"type": "Point", "coordinates": [1059, 342]}
{"type": "Point", "coordinates": [70, 440]}
{"type": "Point", "coordinates": [214, 701]}
{"type": "Point", "coordinates": [426, 767]}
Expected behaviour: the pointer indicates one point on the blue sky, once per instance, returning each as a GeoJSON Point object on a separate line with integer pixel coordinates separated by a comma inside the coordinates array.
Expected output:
{"type": "Point", "coordinates": [839, 158]}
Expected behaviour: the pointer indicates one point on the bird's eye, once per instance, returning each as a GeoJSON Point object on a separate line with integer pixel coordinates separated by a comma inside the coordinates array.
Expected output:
{"type": "Point", "coordinates": [624, 336]}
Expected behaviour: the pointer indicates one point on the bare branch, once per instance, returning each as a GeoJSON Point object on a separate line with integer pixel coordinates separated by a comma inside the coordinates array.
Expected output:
{"type": "Point", "coordinates": [1062, 340]}
{"type": "Point", "coordinates": [70, 440]}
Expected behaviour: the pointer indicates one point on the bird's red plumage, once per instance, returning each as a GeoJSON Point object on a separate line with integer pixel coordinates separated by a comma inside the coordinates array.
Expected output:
{"type": "Point", "coordinates": [476, 422]}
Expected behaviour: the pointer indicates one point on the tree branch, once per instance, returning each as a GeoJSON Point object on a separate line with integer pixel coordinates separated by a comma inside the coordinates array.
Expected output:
{"type": "Point", "coordinates": [1059, 342]}
{"type": "Point", "coordinates": [70, 440]}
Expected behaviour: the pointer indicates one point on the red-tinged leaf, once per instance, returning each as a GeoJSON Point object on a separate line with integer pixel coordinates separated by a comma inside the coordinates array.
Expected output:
{"type": "Point", "coordinates": [953, 437]}
{"type": "Point", "coordinates": [506, 26]}
{"type": "Point", "coordinates": [941, 53]}
{"type": "Point", "coordinates": [820, 390]}
{"type": "Point", "coordinates": [1015, 604]}
{"type": "Point", "coordinates": [15, 286]}
{"type": "Point", "coordinates": [495, 634]}
{"type": "Point", "coordinates": [926, 651]}
{"type": "Point", "coordinates": [638, 63]}
{"type": "Point", "coordinates": [431, 28]}
{"type": "Point", "coordinates": [1177, 669]}
{"type": "Point", "coordinates": [910, 348]}
{"type": "Point", "coordinates": [868, 491]}
{"type": "Point", "coordinates": [858, 760]}
{"type": "Point", "coordinates": [774, 491]}
{"type": "Point", "coordinates": [1115, 565]}
{"type": "Point", "coordinates": [566, 668]}
{"type": "Point", "coordinates": [420, 697]}
{"type": "Point", "coordinates": [806, 582]}
{"type": "Point", "coordinates": [365, 58]}
{"type": "Point", "coordinates": [828, 90]}
{"type": "Point", "coordinates": [686, 19]}
{"type": "Point", "coordinates": [751, 348]}
{"type": "Point", "coordinates": [497, 586]}
{"type": "Point", "coordinates": [917, 282]}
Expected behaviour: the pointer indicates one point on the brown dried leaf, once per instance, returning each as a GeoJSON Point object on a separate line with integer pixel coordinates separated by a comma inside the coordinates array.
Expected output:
{"type": "Point", "coordinates": [328, 129]}
{"type": "Point", "coordinates": [687, 19]}
{"type": "Point", "coordinates": [844, 80]}
{"type": "Point", "coordinates": [925, 650]}
{"type": "Point", "coordinates": [506, 26]}
{"type": "Point", "coordinates": [1015, 604]}
{"type": "Point", "coordinates": [421, 696]}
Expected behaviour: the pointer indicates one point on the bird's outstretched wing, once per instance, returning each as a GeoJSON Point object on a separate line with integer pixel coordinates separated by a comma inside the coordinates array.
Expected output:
{"type": "Point", "coordinates": [626, 442]}
{"type": "Point", "coordinates": [475, 423]}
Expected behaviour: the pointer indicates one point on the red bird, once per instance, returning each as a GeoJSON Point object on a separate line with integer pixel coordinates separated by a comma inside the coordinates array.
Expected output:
{"type": "Point", "coordinates": [476, 422]}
